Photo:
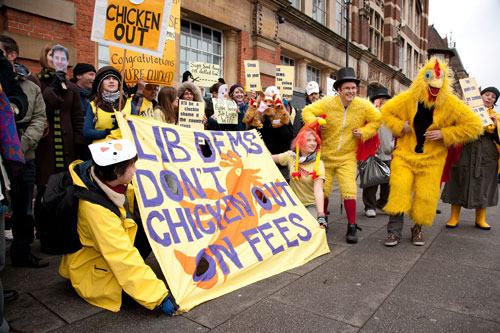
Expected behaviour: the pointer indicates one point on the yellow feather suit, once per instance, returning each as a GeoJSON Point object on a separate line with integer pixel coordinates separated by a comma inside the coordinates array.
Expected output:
{"type": "Point", "coordinates": [416, 177]}
{"type": "Point", "coordinates": [338, 143]}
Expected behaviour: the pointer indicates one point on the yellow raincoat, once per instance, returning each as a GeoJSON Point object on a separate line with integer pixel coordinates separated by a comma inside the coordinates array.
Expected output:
{"type": "Point", "coordinates": [108, 262]}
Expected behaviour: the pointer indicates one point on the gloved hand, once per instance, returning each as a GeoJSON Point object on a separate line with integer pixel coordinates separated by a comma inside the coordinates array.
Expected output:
{"type": "Point", "coordinates": [57, 82]}
{"type": "Point", "coordinates": [323, 222]}
{"type": "Point", "coordinates": [169, 306]}
{"type": "Point", "coordinates": [115, 123]}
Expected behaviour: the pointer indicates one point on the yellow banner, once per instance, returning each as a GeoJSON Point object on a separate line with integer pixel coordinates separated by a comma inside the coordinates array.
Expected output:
{"type": "Point", "coordinates": [136, 25]}
{"type": "Point", "coordinates": [218, 219]}
{"type": "Point", "coordinates": [252, 75]}
{"type": "Point", "coordinates": [155, 70]}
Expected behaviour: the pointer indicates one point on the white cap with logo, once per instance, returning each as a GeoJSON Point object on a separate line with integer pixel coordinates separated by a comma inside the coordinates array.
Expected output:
{"type": "Point", "coordinates": [312, 87]}
{"type": "Point", "coordinates": [112, 152]}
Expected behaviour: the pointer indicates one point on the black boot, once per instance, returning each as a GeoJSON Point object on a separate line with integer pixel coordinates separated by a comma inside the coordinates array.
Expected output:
{"type": "Point", "coordinates": [351, 236]}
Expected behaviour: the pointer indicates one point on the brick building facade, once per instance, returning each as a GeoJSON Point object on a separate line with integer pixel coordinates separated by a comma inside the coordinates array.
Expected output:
{"type": "Point", "coordinates": [388, 37]}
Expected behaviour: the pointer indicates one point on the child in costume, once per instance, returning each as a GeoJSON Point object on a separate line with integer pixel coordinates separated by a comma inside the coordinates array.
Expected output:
{"type": "Point", "coordinates": [473, 182]}
{"type": "Point", "coordinates": [307, 170]}
{"type": "Point", "coordinates": [348, 120]}
{"type": "Point", "coordinates": [427, 119]}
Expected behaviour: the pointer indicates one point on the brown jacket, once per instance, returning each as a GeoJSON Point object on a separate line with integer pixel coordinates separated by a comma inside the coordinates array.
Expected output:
{"type": "Point", "coordinates": [71, 127]}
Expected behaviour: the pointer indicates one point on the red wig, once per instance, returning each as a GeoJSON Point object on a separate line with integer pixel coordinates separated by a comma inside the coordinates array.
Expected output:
{"type": "Point", "coordinates": [301, 139]}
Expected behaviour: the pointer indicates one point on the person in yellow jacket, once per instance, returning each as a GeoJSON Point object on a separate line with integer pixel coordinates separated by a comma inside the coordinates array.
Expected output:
{"type": "Point", "coordinates": [100, 124]}
{"type": "Point", "coordinates": [474, 178]}
{"type": "Point", "coordinates": [108, 262]}
{"type": "Point", "coordinates": [426, 120]}
{"type": "Point", "coordinates": [348, 120]}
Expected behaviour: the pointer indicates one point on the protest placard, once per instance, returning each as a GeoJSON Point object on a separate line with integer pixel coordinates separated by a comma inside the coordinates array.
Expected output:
{"type": "Point", "coordinates": [330, 91]}
{"type": "Point", "coordinates": [225, 110]}
{"type": "Point", "coordinates": [284, 81]}
{"type": "Point", "coordinates": [205, 74]}
{"type": "Point", "coordinates": [139, 26]}
{"type": "Point", "coordinates": [191, 114]}
{"type": "Point", "coordinates": [472, 96]}
{"type": "Point", "coordinates": [216, 222]}
{"type": "Point", "coordinates": [252, 75]}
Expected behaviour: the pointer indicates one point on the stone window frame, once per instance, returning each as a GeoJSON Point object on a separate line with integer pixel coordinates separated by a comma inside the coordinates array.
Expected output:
{"type": "Point", "coordinates": [340, 11]}
{"type": "Point", "coordinates": [319, 11]}
{"type": "Point", "coordinates": [204, 48]}
{"type": "Point", "coordinates": [313, 74]}
{"type": "Point", "coordinates": [296, 4]}
{"type": "Point", "coordinates": [376, 37]}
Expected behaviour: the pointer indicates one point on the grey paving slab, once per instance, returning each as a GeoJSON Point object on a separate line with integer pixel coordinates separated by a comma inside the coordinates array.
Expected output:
{"type": "Point", "coordinates": [28, 314]}
{"type": "Point", "coordinates": [398, 315]}
{"type": "Point", "coordinates": [475, 252]}
{"type": "Point", "coordinates": [62, 299]}
{"type": "Point", "coordinates": [133, 319]}
{"type": "Point", "coordinates": [273, 316]}
{"type": "Point", "coordinates": [335, 250]}
{"type": "Point", "coordinates": [349, 293]}
{"type": "Point", "coordinates": [217, 311]}
{"type": "Point", "coordinates": [451, 286]}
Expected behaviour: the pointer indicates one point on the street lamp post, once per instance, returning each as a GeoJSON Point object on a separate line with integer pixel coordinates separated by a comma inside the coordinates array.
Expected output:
{"type": "Point", "coordinates": [347, 4]}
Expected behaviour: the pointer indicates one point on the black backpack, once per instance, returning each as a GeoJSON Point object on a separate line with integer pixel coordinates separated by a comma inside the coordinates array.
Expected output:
{"type": "Point", "coordinates": [56, 213]}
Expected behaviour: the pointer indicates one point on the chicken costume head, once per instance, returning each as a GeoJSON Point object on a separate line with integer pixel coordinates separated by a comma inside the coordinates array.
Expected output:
{"type": "Point", "coordinates": [433, 83]}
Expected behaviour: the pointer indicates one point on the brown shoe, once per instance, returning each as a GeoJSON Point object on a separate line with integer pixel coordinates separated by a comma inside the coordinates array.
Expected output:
{"type": "Point", "coordinates": [391, 240]}
{"type": "Point", "coordinates": [416, 236]}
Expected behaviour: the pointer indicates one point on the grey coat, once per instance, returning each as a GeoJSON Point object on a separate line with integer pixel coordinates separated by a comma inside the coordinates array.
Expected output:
{"type": "Point", "coordinates": [474, 178]}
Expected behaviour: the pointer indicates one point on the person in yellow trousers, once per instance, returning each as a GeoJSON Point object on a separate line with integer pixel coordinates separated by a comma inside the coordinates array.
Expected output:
{"type": "Point", "coordinates": [348, 120]}
{"type": "Point", "coordinates": [108, 262]}
{"type": "Point", "coordinates": [426, 119]}
{"type": "Point", "coordinates": [474, 178]}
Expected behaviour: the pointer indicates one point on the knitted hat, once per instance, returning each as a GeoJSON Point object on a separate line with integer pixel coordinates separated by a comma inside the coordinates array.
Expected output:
{"type": "Point", "coordinates": [103, 73]}
{"type": "Point", "coordinates": [82, 68]}
{"type": "Point", "coordinates": [233, 87]}
{"type": "Point", "coordinates": [493, 90]}
{"type": "Point", "coordinates": [346, 74]}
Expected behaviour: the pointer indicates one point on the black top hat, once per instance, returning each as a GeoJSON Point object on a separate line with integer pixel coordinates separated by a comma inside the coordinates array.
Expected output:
{"type": "Point", "coordinates": [346, 74]}
{"type": "Point", "coordinates": [379, 92]}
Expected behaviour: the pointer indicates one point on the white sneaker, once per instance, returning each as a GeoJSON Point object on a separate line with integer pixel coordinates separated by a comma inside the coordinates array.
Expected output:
{"type": "Point", "coordinates": [370, 213]}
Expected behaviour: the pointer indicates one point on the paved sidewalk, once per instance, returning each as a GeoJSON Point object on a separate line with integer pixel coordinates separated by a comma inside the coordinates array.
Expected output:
{"type": "Point", "coordinates": [452, 284]}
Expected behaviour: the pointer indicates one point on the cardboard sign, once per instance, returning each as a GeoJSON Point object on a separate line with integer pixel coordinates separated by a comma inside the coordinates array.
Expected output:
{"type": "Point", "coordinates": [252, 75]}
{"type": "Point", "coordinates": [225, 110]}
{"type": "Point", "coordinates": [205, 74]}
{"type": "Point", "coordinates": [330, 91]}
{"type": "Point", "coordinates": [155, 70]}
{"type": "Point", "coordinates": [139, 25]}
{"type": "Point", "coordinates": [191, 114]}
{"type": "Point", "coordinates": [284, 81]}
{"type": "Point", "coordinates": [220, 222]}
{"type": "Point", "coordinates": [473, 97]}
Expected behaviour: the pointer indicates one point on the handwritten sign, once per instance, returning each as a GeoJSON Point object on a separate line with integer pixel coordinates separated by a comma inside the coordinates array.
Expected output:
{"type": "Point", "coordinates": [473, 97]}
{"type": "Point", "coordinates": [138, 27]}
{"type": "Point", "coordinates": [284, 81]}
{"type": "Point", "coordinates": [191, 114]}
{"type": "Point", "coordinates": [155, 70]}
{"type": "Point", "coordinates": [205, 73]}
{"type": "Point", "coordinates": [216, 222]}
{"type": "Point", "coordinates": [225, 110]}
{"type": "Point", "coordinates": [252, 75]}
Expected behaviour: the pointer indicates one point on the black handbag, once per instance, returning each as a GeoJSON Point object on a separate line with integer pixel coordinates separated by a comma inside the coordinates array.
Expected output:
{"type": "Point", "coordinates": [373, 171]}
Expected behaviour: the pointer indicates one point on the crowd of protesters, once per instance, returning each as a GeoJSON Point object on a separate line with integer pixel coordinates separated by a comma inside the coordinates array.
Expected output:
{"type": "Point", "coordinates": [62, 122]}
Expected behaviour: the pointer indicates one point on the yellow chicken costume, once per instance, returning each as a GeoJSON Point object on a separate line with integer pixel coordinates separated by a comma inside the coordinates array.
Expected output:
{"type": "Point", "coordinates": [430, 109]}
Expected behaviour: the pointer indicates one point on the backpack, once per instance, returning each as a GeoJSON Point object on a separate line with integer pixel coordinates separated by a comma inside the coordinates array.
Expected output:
{"type": "Point", "coordinates": [56, 213]}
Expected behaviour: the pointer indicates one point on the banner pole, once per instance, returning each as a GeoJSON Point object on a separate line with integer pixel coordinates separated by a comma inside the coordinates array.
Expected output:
{"type": "Point", "coordinates": [122, 80]}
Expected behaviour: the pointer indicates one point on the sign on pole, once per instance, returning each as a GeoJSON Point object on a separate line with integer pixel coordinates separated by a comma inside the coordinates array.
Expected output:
{"type": "Point", "coordinates": [252, 76]}
{"type": "Point", "coordinates": [284, 81]}
{"type": "Point", "coordinates": [473, 97]}
{"type": "Point", "coordinates": [135, 25]}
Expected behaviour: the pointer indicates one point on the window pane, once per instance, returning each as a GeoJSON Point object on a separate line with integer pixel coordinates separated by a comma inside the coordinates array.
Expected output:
{"type": "Point", "coordinates": [185, 26]}
{"type": "Point", "coordinates": [195, 29]}
{"type": "Point", "coordinates": [217, 36]}
{"type": "Point", "coordinates": [217, 48]}
{"type": "Point", "coordinates": [207, 33]}
{"type": "Point", "coordinates": [204, 45]}
{"type": "Point", "coordinates": [103, 53]}
{"type": "Point", "coordinates": [217, 60]}
{"type": "Point", "coordinates": [184, 40]}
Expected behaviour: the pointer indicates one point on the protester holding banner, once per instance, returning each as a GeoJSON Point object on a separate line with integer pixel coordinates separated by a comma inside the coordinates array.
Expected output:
{"type": "Point", "coordinates": [307, 172]}
{"type": "Point", "coordinates": [348, 120]}
{"type": "Point", "coordinates": [474, 177]}
{"type": "Point", "coordinates": [108, 262]}
{"type": "Point", "coordinates": [101, 121]}
{"type": "Point", "coordinates": [167, 109]}
{"type": "Point", "coordinates": [59, 147]}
